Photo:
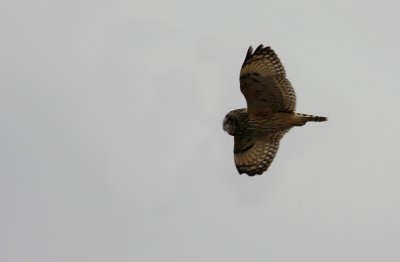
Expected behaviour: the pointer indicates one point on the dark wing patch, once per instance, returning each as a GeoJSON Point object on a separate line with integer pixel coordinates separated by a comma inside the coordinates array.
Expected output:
{"type": "Point", "coordinates": [264, 84]}
{"type": "Point", "coordinates": [253, 156]}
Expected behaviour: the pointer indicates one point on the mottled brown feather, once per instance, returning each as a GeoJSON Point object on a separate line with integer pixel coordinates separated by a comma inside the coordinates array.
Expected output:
{"type": "Point", "coordinates": [253, 155]}
{"type": "Point", "coordinates": [271, 102]}
{"type": "Point", "coordinates": [263, 83]}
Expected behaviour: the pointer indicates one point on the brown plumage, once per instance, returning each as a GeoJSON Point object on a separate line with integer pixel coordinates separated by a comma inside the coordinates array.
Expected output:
{"type": "Point", "coordinates": [270, 112]}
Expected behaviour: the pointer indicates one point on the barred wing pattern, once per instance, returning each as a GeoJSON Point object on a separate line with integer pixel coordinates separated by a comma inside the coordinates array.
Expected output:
{"type": "Point", "coordinates": [263, 83]}
{"type": "Point", "coordinates": [253, 155]}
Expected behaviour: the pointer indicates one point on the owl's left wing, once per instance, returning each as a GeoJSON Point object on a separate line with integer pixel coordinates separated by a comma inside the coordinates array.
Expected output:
{"type": "Point", "coordinates": [263, 82]}
{"type": "Point", "coordinates": [253, 155]}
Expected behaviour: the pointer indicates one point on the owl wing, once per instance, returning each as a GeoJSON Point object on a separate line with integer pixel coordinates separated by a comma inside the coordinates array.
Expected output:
{"type": "Point", "coordinates": [253, 155]}
{"type": "Point", "coordinates": [263, 83]}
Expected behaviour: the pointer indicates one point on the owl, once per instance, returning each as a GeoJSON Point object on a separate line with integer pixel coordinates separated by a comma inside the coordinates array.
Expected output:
{"type": "Point", "coordinates": [270, 112]}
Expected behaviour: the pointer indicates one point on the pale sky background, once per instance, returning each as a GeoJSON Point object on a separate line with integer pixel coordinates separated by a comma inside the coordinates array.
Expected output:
{"type": "Point", "coordinates": [111, 141]}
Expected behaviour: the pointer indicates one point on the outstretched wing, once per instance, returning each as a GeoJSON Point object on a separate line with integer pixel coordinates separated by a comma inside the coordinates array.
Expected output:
{"type": "Point", "coordinates": [263, 83]}
{"type": "Point", "coordinates": [253, 155]}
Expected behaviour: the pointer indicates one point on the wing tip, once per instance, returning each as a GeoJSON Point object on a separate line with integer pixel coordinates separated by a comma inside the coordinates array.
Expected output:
{"type": "Point", "coordinates": [248, 54]}
{"type": "Point", "coordinates": [251, 172]}
{"type": "Point", "coordinates": [260, 48]}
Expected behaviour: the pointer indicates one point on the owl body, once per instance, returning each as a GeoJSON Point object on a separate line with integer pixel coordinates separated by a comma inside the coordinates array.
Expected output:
{"type": "Point", "coordinates": [270, 112]}
{"type": "Point", "coordinates": [263, 124]}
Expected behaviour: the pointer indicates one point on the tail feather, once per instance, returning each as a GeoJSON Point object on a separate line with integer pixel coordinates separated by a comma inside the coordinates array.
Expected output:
{"type": "Point", "coordinates": [317, 118]}
{"type": "Point", "coordinates": [312, 118]}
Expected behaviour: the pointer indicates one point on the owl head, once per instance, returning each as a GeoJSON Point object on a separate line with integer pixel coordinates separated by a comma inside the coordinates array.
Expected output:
{"type": "Point", "coordinates": [229, 124]}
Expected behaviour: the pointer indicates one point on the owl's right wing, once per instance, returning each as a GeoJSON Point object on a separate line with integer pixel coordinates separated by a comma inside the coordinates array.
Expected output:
{"type": "Point", "coordinates": [264, 84]}
{"type": "Point", "coordinates": [253, 155]}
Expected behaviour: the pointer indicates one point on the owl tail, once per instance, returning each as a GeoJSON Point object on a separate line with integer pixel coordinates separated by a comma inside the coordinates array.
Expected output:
{"type": "Point", "coordinates": [310, 118]}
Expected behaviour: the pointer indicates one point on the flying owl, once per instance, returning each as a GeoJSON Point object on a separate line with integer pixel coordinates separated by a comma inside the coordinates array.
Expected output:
{"type": "Point", "coordinates": [270, 112]}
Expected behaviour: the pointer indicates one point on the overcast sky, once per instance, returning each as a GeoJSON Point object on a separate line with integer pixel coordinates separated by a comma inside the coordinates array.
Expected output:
{"type": "Point", "coordinates": [111, 141]}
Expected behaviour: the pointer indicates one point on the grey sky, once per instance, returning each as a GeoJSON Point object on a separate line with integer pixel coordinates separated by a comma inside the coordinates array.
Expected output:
{"type": "Point", "coordinates": [111, 136]}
